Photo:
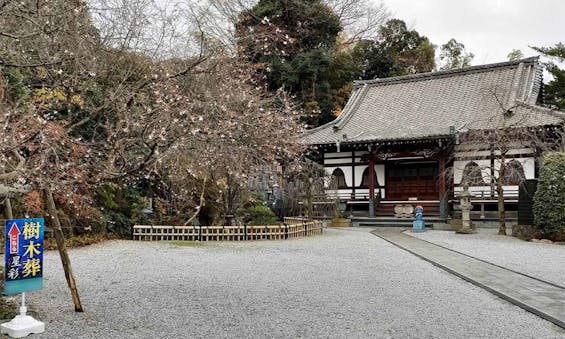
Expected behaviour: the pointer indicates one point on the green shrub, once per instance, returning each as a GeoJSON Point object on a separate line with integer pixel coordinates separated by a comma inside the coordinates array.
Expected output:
{"type": "Point", "coordinates": [16, 83]}
{"type": "Point", "coordinates": [121, 207]}
{"type": "Point", "coordinates": [549, 199]}
{"type": "Point", "coordinates": [260, 215]}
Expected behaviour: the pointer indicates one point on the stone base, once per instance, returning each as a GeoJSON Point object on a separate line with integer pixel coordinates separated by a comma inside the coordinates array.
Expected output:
{"type": "Point", "coordinates": [417, 231]}
{"type": "Point", "coordinates": [22, 326]}
{"type": "Point", "coordinates": [418, 226]}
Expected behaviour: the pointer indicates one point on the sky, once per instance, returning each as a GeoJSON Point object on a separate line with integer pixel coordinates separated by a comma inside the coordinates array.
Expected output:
{"type": "Point", "coordinates": [490, 29]}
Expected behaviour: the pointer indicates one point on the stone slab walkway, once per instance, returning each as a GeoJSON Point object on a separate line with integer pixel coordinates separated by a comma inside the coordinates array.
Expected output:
{"type": "Point", "coordinates": [542, 298]}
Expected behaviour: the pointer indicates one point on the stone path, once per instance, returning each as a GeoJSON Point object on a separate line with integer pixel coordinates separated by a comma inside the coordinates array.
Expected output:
{"type": "Point", "coordinates": [542, 298]}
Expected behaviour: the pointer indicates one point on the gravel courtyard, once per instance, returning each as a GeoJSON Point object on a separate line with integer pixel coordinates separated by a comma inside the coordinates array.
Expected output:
{"type": "Point", "coordinates": [342, 284]}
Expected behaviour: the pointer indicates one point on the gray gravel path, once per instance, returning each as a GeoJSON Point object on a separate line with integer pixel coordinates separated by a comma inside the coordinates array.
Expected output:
{"type": "Point", "coordinates": [342, 284]}
{"type": "Point", "coordinates": [543, 261]}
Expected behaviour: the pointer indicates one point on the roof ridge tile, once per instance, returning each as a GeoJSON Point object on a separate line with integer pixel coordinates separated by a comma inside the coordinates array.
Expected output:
{"type": "Point", "coordinates": [450, 72]}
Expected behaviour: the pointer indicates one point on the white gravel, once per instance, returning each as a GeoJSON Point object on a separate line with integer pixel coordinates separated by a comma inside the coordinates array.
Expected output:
{"type": "Point", "coordinates": [342, 284]}
{"type": "Point", "coordinates": [543, 261]}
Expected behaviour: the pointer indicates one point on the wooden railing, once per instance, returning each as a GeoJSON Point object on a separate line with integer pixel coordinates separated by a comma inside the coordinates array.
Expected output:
{"type": "Point", "coordinates": [489, 193]}
{"type": "Point", "coordinates": [296, 227]}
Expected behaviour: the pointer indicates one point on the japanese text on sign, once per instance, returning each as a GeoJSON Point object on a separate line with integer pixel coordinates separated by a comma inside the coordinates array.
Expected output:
{"type": "Point", "coordinates": [24, 255]}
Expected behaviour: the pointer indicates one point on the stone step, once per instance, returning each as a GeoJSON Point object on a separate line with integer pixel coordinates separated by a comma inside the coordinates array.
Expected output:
{"type": "Point", "coordinates": [390, 222]}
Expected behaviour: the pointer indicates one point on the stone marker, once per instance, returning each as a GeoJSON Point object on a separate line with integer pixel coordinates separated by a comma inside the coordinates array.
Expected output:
{"type": "Point", "coordinates": [466, 206]}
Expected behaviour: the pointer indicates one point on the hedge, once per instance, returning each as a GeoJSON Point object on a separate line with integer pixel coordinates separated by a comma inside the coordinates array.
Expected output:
{"type": "Point", "coordinates": [549, 199]}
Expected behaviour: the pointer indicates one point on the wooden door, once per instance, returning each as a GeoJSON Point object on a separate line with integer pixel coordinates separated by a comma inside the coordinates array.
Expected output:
{"type": "Point", "coordinates": [412, 180]}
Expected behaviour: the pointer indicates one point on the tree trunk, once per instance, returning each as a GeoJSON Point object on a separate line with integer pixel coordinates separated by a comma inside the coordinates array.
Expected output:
{"type": "Point", "coordinates": [310, 207]}
{"type": "Point", "coordinates": [202, 202]}
{"type": "Point", "coordinates": [8, 206]}
{"type": "Point", "coordinates": [500, 193]}
{"type": "Point", "coordinates": [501, 210]}
{"type": "Point", "coordinates": [60, 239]}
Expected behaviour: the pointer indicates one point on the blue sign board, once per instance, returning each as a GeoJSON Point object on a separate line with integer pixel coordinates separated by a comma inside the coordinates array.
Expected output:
{"type": "Point", "coordinates": [23, 269]}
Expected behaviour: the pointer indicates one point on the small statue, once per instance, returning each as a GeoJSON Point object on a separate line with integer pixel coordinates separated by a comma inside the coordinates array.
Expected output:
{"type": "Point", "coordinates": [418, 225]}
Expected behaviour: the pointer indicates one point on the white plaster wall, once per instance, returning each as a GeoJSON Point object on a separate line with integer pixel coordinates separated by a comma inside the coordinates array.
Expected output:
{"type": "Point", "coordinates": [335, 154]}
{"type": "Point", "coordinates": [379, 171]}
{"type": "Point", "coordinates": [521, 151]}
{"type": "Point", "coordinates": [458, 167]}
{"type": "Point", "coordinates": [358, 159]}
{"type": "Point", "coordinates": [529, 165]}
{"type": "Point", "coordinates": [472, 154]}
{"type": "Point", "coordinates": [359, 174]}
{"type": "Point", "coordinates": [337, 161]}
{"type": "Point", "coordinates": [328, 161]}
{"type": "Point", "coordinates": [486, 153]}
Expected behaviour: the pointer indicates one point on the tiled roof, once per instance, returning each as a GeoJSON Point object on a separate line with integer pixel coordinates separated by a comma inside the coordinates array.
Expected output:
{"type": "Point", "coordinates": [431, 104]}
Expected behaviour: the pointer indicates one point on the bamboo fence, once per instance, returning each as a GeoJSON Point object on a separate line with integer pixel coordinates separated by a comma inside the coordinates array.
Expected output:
{"type": "Point", "coordinates": [292, 228]}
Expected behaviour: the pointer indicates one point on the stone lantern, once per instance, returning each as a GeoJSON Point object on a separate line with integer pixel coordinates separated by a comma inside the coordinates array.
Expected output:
{"type": "Point", "coordinates": [466, 207]}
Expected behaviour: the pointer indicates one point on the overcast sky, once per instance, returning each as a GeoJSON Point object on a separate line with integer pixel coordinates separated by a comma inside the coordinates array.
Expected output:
{"type": "Point", "coordinates": [490, 29]}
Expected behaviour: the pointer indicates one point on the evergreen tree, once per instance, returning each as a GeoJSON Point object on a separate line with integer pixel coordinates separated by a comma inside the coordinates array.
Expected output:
{"type": "Point", "coordinates": [515, 54]}
{"type": "Point", "coordinates": [453, 55]}
{"type": "Point", "coordinates": [397, 51]}
{"type": "Point", "coordinates": [291, 42]}
{"type": "Point", "coordinates": [554, 91]}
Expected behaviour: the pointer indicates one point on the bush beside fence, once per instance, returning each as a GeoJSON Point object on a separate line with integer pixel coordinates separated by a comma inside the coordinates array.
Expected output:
{"type": "Point", "coordinates": [292, 228]}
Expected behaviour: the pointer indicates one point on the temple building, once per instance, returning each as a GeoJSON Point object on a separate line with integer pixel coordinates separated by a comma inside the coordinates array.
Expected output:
{"type": "Point", "coordinates": [418, 139]}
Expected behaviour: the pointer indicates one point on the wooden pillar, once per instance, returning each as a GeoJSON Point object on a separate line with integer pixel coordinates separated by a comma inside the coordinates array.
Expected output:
{"type": "Point", "coordinates": [371, 186]}
{"type": "Point", "coordinates": [353, 175]}
{"type": "Point", "coordinates": [492, 180]}
{"type": "Point", "coordinates": [442, 188]}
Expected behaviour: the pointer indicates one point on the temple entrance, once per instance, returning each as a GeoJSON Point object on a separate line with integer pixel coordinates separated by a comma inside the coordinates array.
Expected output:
{"type": "Point", "coordinates": [406, 180]}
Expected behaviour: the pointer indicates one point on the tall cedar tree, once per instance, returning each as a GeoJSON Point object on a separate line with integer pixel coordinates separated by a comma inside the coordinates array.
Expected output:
{"type": "Point", "coordinates": [291, 42]}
